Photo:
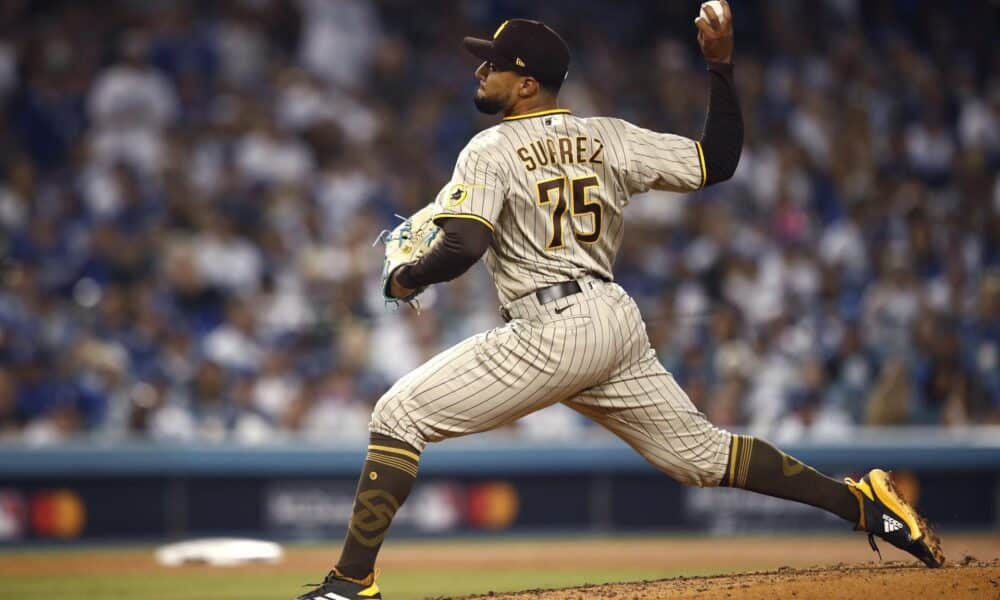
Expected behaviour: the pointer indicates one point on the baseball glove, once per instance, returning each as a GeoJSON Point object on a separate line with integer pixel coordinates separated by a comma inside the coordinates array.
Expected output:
{"type": "Point", "coordinates": [410, 240]}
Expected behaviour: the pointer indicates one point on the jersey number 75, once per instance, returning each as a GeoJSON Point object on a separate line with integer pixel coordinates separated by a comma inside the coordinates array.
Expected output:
{"type": "Point", "coordinates": [580, 207]}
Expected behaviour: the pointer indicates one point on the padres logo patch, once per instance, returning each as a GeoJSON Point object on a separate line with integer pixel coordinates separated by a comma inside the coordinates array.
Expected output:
{"type": "Point", "coordinates": [456, 195]}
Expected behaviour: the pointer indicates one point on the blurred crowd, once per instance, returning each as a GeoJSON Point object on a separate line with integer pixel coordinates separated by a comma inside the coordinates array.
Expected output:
{"type": "Point", "coordinates": [190, 192]}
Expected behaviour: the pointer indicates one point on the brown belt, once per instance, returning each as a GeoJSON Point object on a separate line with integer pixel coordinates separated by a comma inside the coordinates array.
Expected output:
{"type": "Point", "coordinates": [550, 294]}
{"type": "Point", "coordinates": [557, 291]}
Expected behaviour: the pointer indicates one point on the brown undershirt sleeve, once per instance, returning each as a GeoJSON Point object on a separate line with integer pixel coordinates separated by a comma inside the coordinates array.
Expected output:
{"type": "Point", "coordinates": [465, 241]}
{"type": "Point", "coordinates": [722, 138]}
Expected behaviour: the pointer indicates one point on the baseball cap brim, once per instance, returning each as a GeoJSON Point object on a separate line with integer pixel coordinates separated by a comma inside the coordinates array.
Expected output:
{"type": "Point", "coordinates": [484, 50]}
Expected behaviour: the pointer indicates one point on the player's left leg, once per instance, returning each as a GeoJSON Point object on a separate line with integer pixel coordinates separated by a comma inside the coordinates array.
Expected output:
{"type": "Point", "coordinates": [662, 424]}
{"type": "Point", "coordinates": [871, 504]}
{"type": "Point", "coordinates": [644, 405]}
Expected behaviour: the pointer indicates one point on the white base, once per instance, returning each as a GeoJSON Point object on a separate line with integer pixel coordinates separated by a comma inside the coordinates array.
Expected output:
{"type": "Point", "coordinates": [219, 552]}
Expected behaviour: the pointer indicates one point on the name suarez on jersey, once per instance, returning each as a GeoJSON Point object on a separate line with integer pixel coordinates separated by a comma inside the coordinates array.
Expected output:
{"type": "Point", "coordinates": [561, 150]}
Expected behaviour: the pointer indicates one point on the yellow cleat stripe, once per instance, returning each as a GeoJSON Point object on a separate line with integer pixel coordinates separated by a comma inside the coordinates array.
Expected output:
{"type": "Point", "coordinates": [861, 486]}
{"type": "Point", "coordinates": [880, 485]}
{"type": "Point", "coordinates": [369, 592]}
{"type": "Point", "coordinates": [859, 492]}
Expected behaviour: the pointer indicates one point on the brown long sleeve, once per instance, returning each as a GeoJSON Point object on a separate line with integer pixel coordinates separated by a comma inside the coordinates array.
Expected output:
{"type": "Point", "coordinates": [465, 241]}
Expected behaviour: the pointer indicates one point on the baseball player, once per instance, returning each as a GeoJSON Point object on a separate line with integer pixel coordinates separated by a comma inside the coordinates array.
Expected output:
{"type": "Point", "coordinates": [540, 197]}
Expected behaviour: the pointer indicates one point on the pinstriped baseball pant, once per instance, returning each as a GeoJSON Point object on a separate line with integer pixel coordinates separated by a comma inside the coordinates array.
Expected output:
{"type": "Point", "coordinates": [589, 351]}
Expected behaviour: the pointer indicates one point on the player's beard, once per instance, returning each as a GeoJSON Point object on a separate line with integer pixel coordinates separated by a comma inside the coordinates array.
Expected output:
{"type": "Point", "coordinates": [489, 105]}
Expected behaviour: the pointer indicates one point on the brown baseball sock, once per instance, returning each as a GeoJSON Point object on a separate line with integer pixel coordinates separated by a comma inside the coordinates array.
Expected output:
{"type": "Point", "coordinates": [760, 467]}
{"type": "Point", "coordinates": [388, 476]}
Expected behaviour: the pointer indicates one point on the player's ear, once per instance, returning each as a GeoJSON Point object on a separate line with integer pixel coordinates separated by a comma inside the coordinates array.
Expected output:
{"type": "Point", "coordinates": [529, 87]}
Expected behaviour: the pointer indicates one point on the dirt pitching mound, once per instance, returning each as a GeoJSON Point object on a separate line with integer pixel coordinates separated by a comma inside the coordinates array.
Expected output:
{"type": "Point", "coordinates": [889, 581]}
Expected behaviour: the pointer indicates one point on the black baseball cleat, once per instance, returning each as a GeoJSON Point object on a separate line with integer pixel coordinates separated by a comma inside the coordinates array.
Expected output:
{"type": "Point", "coordinates": [885, 514]}
{"type": "Point", "coordinates": [337, 586]}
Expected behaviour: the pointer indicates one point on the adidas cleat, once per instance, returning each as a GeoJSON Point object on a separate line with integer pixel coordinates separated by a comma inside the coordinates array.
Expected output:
{"type": "Point", "coordinates": [885, 514]}
{"type": "Point", "coordinates": [340, 587]}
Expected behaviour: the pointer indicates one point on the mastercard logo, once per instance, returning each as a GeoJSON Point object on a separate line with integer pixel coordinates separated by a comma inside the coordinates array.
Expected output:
{"type": "Point", "coordinates": [492, 505]}
{"type": "Point", "coordinates": [57, 514]}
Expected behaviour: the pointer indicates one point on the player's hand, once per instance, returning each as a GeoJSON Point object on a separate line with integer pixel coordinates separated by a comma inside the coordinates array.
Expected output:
{"type": "Point", "coordinates": [397, 290]}
{"type": "Point", "coordinates": [714, 36]}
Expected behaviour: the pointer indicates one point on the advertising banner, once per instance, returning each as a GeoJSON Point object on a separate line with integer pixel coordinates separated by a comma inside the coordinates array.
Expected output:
{"type": "Point", "coordinates": [319, 508]}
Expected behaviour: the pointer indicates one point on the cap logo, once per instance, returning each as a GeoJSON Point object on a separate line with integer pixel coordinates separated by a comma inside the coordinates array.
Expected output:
{"type": "Point", "coordinates": [499, 29]}
{"type": "Point", "coordinates": [519, 62]}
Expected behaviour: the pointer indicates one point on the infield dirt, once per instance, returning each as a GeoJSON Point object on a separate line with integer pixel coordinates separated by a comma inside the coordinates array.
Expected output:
{"type": "Point", "coordinates": [891, 581]}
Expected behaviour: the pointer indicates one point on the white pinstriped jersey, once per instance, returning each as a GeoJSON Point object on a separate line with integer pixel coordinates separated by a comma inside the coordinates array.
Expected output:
{"type": "Point", "coordinates": [552, 187]}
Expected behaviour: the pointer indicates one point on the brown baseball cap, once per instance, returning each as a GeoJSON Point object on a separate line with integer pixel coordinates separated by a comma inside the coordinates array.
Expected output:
{"type": "Point", "coordinates": [527, 47]}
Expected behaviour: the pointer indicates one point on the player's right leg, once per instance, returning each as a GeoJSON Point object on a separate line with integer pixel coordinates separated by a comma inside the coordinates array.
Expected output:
{"type": "Point", "coordinates": [548, 353]}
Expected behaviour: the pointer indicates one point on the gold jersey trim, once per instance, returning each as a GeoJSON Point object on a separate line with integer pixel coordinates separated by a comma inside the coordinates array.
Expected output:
{"type": "Point", "coordinates": [464, 216]}
{"type": "Point", "coordinates": [701, 159]}
{"type": "Point", "coordinates": [541, 113]}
